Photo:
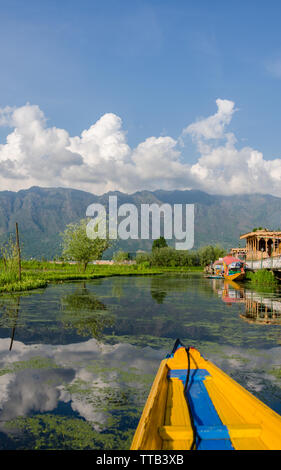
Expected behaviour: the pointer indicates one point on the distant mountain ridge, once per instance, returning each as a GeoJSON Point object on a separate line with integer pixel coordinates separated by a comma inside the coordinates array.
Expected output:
{"type": "Point", "coordinates": [42, 213]}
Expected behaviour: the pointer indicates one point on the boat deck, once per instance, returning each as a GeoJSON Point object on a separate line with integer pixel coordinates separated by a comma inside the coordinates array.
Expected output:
{"type": "Point", "coordinates": [211, 412]}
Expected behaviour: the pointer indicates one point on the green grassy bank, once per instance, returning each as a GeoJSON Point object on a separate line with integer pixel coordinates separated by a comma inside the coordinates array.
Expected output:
{"type": "Point", "coordinates": [36, 274]}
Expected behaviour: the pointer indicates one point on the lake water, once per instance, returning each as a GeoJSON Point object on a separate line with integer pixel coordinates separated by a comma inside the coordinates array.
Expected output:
{"type": "Point", "coordinates": [77, 359]}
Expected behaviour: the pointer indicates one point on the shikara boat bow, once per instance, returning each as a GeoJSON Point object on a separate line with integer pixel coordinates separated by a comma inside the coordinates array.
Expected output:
{"type": "Point", "coordinates": [194, 405]}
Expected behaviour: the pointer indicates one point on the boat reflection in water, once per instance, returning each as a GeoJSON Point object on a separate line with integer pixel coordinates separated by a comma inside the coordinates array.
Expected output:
{"type": "Point", "coordinates": [260, 308]}
{"type": "Point", "coordinates": [231, 293]}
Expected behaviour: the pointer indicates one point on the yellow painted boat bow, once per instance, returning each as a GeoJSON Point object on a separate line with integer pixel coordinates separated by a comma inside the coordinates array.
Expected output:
{"type": "Point", "coordinates": [235, 277]}
{"type": "Point", "coordinates": [194, 405]}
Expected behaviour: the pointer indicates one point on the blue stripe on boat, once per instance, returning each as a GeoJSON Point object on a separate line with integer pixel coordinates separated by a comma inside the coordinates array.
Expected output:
{"type": "Point", "coordinates": [211, 433]}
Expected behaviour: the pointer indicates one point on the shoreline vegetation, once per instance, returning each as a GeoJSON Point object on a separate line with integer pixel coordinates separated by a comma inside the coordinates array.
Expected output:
{"type": "Point", "coordinates": [76, 263]}
{"type": "Point", "coordinates": [38, 274]}
{"type": "Point", "coordinates": [263, 277]}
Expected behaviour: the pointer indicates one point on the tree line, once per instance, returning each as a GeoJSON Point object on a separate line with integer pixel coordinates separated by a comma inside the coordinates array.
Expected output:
{"type": "Point", "coordinates": [168, 256]}
{"type": "Point", "coordinates": [77, 246]}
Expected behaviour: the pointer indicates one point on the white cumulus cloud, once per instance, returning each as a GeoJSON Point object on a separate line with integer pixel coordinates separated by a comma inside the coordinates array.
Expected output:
{"type": "Point", "coordinates": [213, 126]}
{"type": "Point", "coordinates": [100, 159]}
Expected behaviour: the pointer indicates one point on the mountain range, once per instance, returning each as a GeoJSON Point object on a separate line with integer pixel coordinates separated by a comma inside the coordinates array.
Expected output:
{"type": "Point", "coordinates": [43, 213]}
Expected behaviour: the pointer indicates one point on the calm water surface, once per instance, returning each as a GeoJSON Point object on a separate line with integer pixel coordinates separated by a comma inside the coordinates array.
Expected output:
{"type": "Point", "coordinates": [77, 360]}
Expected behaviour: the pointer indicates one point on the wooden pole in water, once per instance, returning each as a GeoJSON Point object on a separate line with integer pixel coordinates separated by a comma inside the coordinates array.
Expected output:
{"type": "Point", "coordinates": [18, 249]}
{"type": "Point", "coordinates": [15, 324]}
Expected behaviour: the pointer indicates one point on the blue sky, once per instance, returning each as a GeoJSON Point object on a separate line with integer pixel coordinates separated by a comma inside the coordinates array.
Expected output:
{"type": "Point", "coordinates": [159, 65]}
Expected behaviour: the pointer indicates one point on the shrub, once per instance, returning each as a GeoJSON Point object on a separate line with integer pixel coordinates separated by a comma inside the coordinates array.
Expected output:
{"type": "Point", "coordinates": [120, 256]}
{"type": "Point", "coordinates": [143, 258]}
{"type": "Point", "coordinates": [263, 277]}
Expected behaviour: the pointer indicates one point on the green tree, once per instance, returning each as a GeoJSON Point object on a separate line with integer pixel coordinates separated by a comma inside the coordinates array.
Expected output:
{"type": "Point", "coordinates": [159, 243]}
{"type": "Point", "coordinates": [166, 256]}
{"type": "Point", "coordinates": [209, 254]}
{"type": "Point", "coordinates": [77, 246]}
{"type": "Point", "coordinates": [120, 256]}
{"type": "Point", "coordinates": [219, 252]}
